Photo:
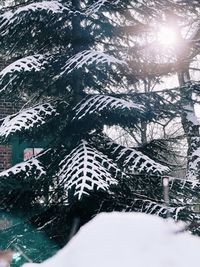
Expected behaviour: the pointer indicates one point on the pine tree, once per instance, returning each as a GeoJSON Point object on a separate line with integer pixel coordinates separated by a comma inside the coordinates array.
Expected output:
{"type": "Point", "coordinates": [75, 73]}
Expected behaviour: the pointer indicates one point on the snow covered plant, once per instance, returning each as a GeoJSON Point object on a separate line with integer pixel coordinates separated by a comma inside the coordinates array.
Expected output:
{"type": "Point", "coordinates": [74, 66]}
{"type": "Point", "coordinates": [70, 90]}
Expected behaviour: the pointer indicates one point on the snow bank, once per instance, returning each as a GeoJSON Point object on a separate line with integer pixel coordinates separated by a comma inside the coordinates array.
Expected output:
{"type": "Point", "coordinates": [128, 239]}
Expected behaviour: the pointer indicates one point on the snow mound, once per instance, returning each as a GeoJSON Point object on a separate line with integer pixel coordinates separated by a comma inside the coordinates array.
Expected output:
{"type": "Point", "coordinates": [127, 239]}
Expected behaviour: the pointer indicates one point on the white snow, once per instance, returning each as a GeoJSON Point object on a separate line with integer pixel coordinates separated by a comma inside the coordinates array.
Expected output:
{"type": "Point", "coordinates": [88, 57]}
{"type": "Point", "coordinates": [49, 6]}
{"type": "Point", "coordinates": [35, 62]}
{"type": "Point", "coordinates": [135, 161]}
{"type": "Point", "coordinates": [84, 168]}
{"type": "Point", "coordinates": [4, 18]}
{"type": "Point", "coordinates": [30, 165]}
{"type": "Point", "coordinates": [128, 240]}
{"type": "Point", "coordinates": [27, 119]}
{"type": "Point", "coordinates": [100, 103]}
{"type": "Point", "coordinates": [93, 9]}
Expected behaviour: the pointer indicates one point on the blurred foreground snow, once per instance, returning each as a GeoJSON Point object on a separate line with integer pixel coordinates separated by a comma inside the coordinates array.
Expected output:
{"type": "Point", "coordinates": [128, 239]}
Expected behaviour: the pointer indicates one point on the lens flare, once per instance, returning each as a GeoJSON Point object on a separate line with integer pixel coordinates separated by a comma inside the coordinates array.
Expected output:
{"type": "Point", "coordinates": [167, 36]}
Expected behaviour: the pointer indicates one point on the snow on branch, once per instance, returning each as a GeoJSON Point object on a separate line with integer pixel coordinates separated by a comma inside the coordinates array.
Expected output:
{"type": "Point", "coordinates": [86, 169]}
{"type": "Point", "coordinates": [27, 119]}
{"type": "Point", "coordinates": [188, 186]}
{"type": "Point", "coordinates": [13, 72]}
{"type": "Point", "coordinates": [151, 207]}
{"type": "Point", "coordinates": [4, 19]}
{"type": "Point", "coordinates": [88, 57]}
{"type": "Point", "coordinates": [32, 167]}
{"type": "Point", "coordinates": [100, 104]}
{"type": "Point", "coordinates": [35, 62]}
{"type": "Point", "coordinates": [94, 8]}
{"type": "Point", "coordinates": [29, 12]}
{"type": "Point", "coordinates": [49, 6]}
{"type": "Point", "coordinates": [134, 161]}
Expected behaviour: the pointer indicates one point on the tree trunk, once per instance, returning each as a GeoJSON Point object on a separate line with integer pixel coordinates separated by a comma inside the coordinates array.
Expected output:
{"type": "Point", "coordinates": [144, 124]}
{"type": "Point", "coordinates": [190, 125]}
{"type": "Point", "coordinates": [188, 117]}
{"type": "Point", "coordinates": [77, 84]}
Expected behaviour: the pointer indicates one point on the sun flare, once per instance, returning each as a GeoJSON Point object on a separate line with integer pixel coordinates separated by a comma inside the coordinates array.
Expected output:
{"type": "Point", "coordinates": [167, 36]}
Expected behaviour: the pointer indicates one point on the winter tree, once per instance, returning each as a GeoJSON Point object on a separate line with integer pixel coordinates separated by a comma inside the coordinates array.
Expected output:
{"type": "Point", "coordinates": [78, 63]}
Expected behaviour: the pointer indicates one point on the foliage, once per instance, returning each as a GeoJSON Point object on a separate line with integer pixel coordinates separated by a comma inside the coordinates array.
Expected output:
{"type": "Point", "coordinates": [74, 60]}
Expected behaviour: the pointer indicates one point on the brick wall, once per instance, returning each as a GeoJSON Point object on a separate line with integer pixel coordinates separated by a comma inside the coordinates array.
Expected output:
{"type": "Point", "coordinates": [7, 107]}
{"type": "Point", "coordinates": [5, 157]}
